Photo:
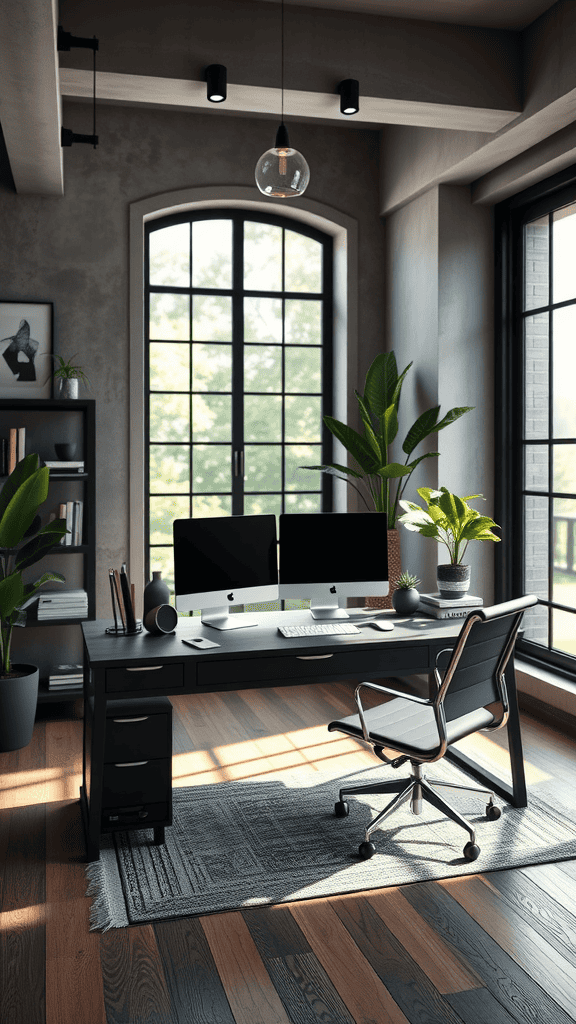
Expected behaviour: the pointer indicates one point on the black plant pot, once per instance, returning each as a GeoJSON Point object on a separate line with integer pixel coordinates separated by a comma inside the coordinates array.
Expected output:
{"type": "Point", "coordinates": [18, 700]}
{"type": "Point", "coordinates": [406, 601]}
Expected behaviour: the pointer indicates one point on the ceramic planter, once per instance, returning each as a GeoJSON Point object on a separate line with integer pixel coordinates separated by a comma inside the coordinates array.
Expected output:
{"type": "Point", "coordinates": [18, 700]}
{"type": "Point", "coordinates": [406, 600]}
{"type": "Point", "coordinates": [453, 581]}
{"type": "Point", "coordinates": [67, 387]}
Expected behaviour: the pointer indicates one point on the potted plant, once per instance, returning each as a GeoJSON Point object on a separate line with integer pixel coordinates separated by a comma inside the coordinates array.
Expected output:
{"type": "Point", "coordinates": [379, 480]}
{"type": "Point", "coordinates": [452, 522]}
{"type": "Point", "coordinates": [67, 376]}
{"type": "Point", "coordinates": [22, 544]}
{"type": "Point", "coordinates": [406, 598]}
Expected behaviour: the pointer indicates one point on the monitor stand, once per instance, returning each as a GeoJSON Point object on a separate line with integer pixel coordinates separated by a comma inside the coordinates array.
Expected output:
{"type": "Point", "coordinates": [327, 612]}
{"type": "Point", "coordinates": [220, 618]}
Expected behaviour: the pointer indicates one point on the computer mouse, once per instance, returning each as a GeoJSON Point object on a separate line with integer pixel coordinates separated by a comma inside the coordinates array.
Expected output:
{"type": "Point", "coordinates": [382, 624]}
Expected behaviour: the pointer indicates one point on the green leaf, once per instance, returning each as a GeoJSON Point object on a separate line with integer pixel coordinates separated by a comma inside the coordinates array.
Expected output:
{"type": "Point", "coordinates": [453, 508]}
{"type": "Point", "coordinates": [41, 545]}
{"type": "Point", "coordinates": [23, 469]}
{"type": "Point", "coordinates": [357, 445]}
{"type": "Point", "coordinates": [381, 380]}
{"type": "Point", "coordinates": [393, 470]}
{"type": "Point", "coordinates": [428, 455]}
{"type": "Point", "coordinates": [47, 577]}
{"type": "Point", "coordinates": [22, 507]}
{"type": "Point", "coordinates": [11, 594]}
{"type": "Point", "coordinates": [424, 425]}
{"type": "Point", "coordinates": [454, 414]}
{"type": "Point", "coordinates": [332, 467]}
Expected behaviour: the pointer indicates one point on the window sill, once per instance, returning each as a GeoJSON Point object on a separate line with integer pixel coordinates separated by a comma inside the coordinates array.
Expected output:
{"type": "Point", "coordinates": [544, 693]}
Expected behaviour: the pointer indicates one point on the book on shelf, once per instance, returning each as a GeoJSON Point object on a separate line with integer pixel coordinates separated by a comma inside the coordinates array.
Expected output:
{"type": "Point", "coordinates": [66, 677]}
{"type": "Point", "coordinates": [64, 604]}
{"type": "Point", "coordinates": [3, 456]}
{"type": "Point", "coordinates": [73, 513]}
{"type": "Point", "coordinates": [65, 467]}
{"type": "Point", "coordinates": [16, 447]}
{"type": "Point", "coordinates": [451, 602]}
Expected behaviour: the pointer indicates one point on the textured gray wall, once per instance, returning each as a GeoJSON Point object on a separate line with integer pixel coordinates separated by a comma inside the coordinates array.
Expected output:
{"type": "Point", "coordinates": [74, 250]}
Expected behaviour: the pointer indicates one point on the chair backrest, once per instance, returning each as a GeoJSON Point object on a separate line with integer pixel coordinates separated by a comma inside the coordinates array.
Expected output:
{"type": "Point", "coordinates": [480, 656]}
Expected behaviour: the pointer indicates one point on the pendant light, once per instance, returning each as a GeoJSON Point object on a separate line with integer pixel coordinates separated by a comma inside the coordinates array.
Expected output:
{"type": "Point", "coordinates": [282, 172]}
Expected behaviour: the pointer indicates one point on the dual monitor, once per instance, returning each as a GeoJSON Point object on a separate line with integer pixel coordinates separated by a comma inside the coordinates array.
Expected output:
{"type": "Point", "coordinates": [324, 557]}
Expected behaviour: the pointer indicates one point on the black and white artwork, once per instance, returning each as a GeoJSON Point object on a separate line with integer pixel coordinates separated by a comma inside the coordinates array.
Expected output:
{"type": "Point", "coordinates": [26, 349]}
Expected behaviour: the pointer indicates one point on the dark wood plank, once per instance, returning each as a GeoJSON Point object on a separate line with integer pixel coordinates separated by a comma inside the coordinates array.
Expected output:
{"type": "Point", "coordinates": [477, 1006]}
{"type": "Point", "coordinates": [195, 987]}
{"type": "Point", "coordinates": [509, 984]}
{"type": "Point", "coordinates": [135, 988]}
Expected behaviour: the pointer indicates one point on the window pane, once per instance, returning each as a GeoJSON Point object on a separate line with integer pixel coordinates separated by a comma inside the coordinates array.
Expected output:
{"type": "Point", "coordinates": [170, 256]}
{"type": "Point", "coordinates": [206, 506]}
{"type": "Point", "coordinates": [535, 624]}
{"type": "Point", "coordinates": [536, 467]}
{"type": "Point", "coordinates": [262, 257]}
{"type": "Point", "coordinates": [563, 248]}
{"type": "Point", "coordinates": [169, 417]}
{"type": "Point", "coordinates": [212, 318]}
{"type": "Point", "coordinates": [304, 369]}
{"type": "Point", "coordinates": [564, 631]}
{"type": "Point", "coordinates": [565, 468]}
{"type": "Point", "coordinates": [536, 339]}
{"type": "Point", "coordinates": [163, 512]}
{"type": "Point", "coordinates": [263, 320]}
{"type": "Point", "coordinates": [298, 479]}
{"type": "Point", "coordinates": [303, 418]}
{"type": "Point", "coordinates": [262, 368]}
{"type": "Point", "coordinates": [212, 254]}
{"type": "Point", "coordinates": [263, 504]}
{"type": "Point", "coordinates": [536, 546]}
{"type": "Point", "coordinates": [211, 367]}
{"type": "Point", "coordinates": [564, 406]}
{"type": "Point", "coordinates": [303, 502]}
{"type": "Point", "coordinates": [263, 467]}
{"type": "Point", "coordinates": [536, 273]}
{"type": "Point", "coordinates": [564, 552]}
{"type": "Point", "coordinates": [212, 418]}
{"type": "Point", "coordinates": [262, 418]}
{"type": "Point", "coordinates": [303, 322]}
{"type": "Point", "coordinates": [169, 367]}
{"type": "Point", "coordinates": [303, 263]}
{"type": "Point", "coordinates": [170, 317]}
{"type": "Point", "coordinates": [169, 468]}
{"type": "Point", "coordinates": [211, 467]}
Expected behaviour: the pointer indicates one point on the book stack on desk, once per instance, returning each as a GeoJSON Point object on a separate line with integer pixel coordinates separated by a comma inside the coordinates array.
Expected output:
{"type": "Point", "coordinates": [63, 604]}
{"type": "Point", "coordinates": [448, 608]}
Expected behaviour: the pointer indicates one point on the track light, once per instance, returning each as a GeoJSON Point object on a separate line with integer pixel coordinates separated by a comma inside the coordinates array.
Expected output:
{"type": "Point", "coordinates": [349, 96]}
{"type": "Point", "coordinates": [65, 41]}
{"type": "Point", "coordinates": [215, 76]}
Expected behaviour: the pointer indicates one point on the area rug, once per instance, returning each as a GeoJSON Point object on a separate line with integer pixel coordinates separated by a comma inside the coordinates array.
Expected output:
{"type": "Point", "coordinates": [275, 839]}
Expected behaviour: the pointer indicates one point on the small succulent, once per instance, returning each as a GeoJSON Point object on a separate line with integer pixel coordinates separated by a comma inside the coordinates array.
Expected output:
{"type": "Point", "coordinates": [67, 371]}
{"type": "Point", "coordinates": [406, 581]}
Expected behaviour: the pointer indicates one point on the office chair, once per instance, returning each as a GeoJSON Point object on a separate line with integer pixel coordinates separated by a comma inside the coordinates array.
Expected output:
{"type": "Point", "coordinates": [420, 729]}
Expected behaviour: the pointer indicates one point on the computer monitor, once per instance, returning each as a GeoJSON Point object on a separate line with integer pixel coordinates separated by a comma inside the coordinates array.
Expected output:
{"type": "Point", "coordinates": [224, 561]}
{"type": "Point", "coordinates": [329, 556]}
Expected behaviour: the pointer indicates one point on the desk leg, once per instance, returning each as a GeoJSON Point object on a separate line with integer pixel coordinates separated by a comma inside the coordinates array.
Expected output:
{"type": "Point", "coordinates": [516, 793]}
{"type": "Point", "coordinates": [94, 738]}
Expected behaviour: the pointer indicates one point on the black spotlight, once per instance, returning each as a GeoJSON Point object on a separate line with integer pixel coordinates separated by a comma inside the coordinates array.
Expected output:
{"type": "Point", "coordinates": [349, 96]}
{"type": "Point", "coordinates": [215, 76]}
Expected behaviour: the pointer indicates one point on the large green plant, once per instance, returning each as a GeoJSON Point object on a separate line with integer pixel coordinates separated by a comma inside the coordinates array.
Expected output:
{"type": "Point", "coordinates": [22, 544]}
{"type": "Point", "coordinates": [449, 520]}
{"type": "Point", "coordinates": [382, 480]}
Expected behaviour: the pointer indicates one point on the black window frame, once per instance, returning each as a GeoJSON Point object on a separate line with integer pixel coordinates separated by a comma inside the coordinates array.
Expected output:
{"type": "Point", "coordinates": [511, 215]}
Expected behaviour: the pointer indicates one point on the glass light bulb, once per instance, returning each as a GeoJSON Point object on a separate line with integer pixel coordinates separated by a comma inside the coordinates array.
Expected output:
{"type": "Point", "coordinates": [282, 172]}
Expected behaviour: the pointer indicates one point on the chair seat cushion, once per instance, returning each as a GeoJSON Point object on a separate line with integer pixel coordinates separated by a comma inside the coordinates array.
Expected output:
{"type": "Point", "coordinates": [409, 727]}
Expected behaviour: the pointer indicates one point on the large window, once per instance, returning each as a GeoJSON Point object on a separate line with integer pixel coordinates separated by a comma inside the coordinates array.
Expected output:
{"type": "Point", "coordinates": [238, 315]}
{"type": "Point", "coordinates": [538, 374]}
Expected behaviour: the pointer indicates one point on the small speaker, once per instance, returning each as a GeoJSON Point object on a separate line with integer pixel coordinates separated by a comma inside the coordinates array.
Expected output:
{"type": "Point", "coordinates": [162, 619]}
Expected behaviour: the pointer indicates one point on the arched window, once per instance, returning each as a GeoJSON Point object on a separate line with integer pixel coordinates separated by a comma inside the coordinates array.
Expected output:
{"type": "Point", "coordinates": [238, 368]}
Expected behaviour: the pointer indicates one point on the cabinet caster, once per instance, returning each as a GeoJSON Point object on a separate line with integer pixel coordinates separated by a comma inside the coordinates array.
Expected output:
{"type": "Point", "coordinates": [493, 812]}
{"type": "Point", "coordinates": [366, 850]}
{"type": "Point", "coordinates": [471, 851]}
{"type": "Point", "coordinates": [341, 809]}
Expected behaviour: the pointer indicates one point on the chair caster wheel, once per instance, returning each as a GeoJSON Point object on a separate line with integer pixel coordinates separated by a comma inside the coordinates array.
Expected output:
{"type": "Point", "coordinates": [471, 851]}
{"type": "Point", "coordinates": [366, 850]}
{"type": "Point", "coordinates": [493, 812]}
{"type": "Point", "coordinates": [341, 809]}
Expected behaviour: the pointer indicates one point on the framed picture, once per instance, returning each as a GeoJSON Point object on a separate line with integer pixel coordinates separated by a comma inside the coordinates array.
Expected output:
{"type": "Point", "coordinates": [26, 349]}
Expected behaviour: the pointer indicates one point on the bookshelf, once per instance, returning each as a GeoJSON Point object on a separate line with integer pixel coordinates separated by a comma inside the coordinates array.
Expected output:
{"type": "Point", "coordinates": [48, 422]}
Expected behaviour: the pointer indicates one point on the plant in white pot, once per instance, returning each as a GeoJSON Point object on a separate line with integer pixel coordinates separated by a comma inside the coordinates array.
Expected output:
{"type": "Point", "coordinates": [22, 543]}
{"type": "Point", "coordinates": [452, 522]}
{"type": "Point", "coordinates": [67, 376]}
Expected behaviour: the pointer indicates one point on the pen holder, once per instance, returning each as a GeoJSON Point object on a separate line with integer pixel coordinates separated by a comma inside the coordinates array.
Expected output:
{"type": "Point", "coordinates": [125, 621]}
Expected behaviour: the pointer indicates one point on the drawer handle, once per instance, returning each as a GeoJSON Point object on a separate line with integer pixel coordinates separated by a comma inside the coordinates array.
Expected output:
{"type": "Point", "coordinates": [130, 764]}
{"type": "Point", "coordinates": [313, 657]}
{"type": "Point", "coordinates": [145, 668]}
{"type": "Point", "coordinates": [144, 718]}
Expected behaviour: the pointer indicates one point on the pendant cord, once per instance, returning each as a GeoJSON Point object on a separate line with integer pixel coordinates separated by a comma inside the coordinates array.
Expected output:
{"type": "Point", "coordinates": [94, 95]}
{"type": "Point", "coordinates": [282, 90]}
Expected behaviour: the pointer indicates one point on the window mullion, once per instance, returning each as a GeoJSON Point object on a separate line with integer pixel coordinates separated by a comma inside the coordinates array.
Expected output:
{"type": "Point", "coordinates": [238, 456]}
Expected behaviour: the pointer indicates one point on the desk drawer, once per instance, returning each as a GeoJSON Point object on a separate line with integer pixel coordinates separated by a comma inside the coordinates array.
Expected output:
{"type": "Point", "coordinates": [138, 816]}
{"type": "Point", "coordinates": [289, 667]}
{"type": "Point", "coordinates": [136, 737]}
{"type": "Point", "coordinates": [145, 677]}
{"type": "Point", "coordinates": [124, 785]}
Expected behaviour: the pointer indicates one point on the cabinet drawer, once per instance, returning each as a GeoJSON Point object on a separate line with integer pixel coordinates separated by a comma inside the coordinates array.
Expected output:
{"type": "Point", "coordinates": [126, 784]}
{"type": "Point", "coordinates": [138, 816]}
{"type": "Point", "coordinates": [351, 664]}
{"type": "Point", "coordinates": [145, 677]}
{"type": "Point", "coordinates": [136, 737]}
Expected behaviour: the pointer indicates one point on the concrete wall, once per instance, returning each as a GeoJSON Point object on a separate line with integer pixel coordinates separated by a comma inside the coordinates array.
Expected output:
{"type": "Point", "coordinates": [74, 250]}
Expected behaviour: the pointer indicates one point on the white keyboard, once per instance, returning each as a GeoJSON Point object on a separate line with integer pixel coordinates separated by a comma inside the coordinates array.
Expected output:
{"type": "Point", "coordinates": [319, 629]}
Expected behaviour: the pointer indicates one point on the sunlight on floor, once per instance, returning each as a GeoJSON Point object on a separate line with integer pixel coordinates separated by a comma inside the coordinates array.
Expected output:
{"type": "Point", "coordinates": [39, 786]}
{"type": "Point", "coordinates": [23, 918]}
{"type": "Point", "coordinates": [490, 753]}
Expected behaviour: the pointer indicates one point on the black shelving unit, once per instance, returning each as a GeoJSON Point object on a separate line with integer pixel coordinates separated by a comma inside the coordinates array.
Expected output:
{"type": "Point", "coordinates": [49, 422]}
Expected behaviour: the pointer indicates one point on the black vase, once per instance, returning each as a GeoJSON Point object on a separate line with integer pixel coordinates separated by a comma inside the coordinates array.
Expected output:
{"type": "Point", "coordinates": [406, 601]}
{"type": "Point", "coordinates": [155, 593]}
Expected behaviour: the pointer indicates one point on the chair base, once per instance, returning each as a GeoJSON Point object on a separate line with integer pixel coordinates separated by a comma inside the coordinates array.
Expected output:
{"type": "Point", "coordinates": [416, 788]}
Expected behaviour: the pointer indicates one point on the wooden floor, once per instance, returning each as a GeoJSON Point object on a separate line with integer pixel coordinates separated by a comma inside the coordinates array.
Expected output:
{"type": "Point", "coordinates": [486, 949]}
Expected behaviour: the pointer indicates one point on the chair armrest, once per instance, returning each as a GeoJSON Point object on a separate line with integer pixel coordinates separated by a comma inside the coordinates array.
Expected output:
{"type": "Point", "coordinates": [388, 690]}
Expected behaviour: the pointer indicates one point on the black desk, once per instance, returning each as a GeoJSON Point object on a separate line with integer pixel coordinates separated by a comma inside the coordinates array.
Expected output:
{"type": "Point", "coordinates": [144, 666]}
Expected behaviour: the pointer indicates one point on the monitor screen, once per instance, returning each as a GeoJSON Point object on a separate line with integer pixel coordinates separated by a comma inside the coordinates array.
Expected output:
{"type": "Point", "coordinates": [329, 556]}
{"type": "Point", "coordinates": [224, 561]}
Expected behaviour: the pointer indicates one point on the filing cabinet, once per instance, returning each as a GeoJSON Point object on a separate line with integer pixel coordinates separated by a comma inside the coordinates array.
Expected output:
{"type": "Point", "coordinates": [137, 771]}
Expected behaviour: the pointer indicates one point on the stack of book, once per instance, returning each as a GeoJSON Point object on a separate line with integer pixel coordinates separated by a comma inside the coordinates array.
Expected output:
{"type": "Point", "coordinates": [63, 604]}
{"type": "Point", "coordinates": [65, 467]}
{"type": "Point", "coordinates": [12, 449]}
{"type": "Point", "coordinates": [65, 677]}
{"type": "Point", "coordinates": [72, 512]}
{"type": "Point", "coordinates": [448, 608]}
